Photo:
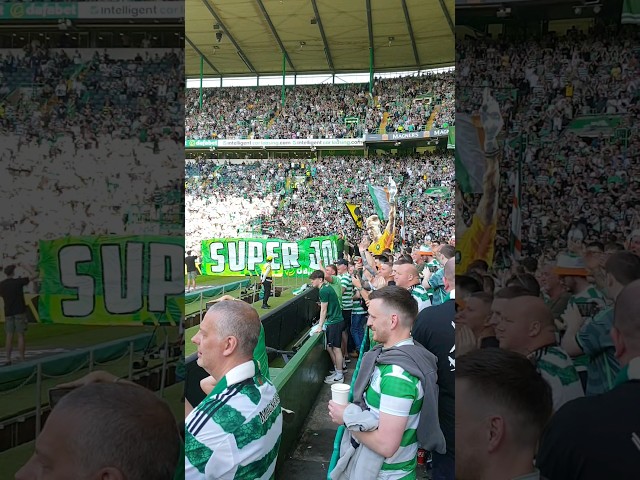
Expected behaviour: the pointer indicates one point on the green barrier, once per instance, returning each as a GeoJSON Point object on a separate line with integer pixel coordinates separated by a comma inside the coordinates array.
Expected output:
{"type": "Point", "coordinates": [305, 372]}
{"type": "Point", "coordinates": [58, 365]}
{"type": "Point", "coordinates": [364, 348]}
{"type": "Point", "coordinates": [214, 291]}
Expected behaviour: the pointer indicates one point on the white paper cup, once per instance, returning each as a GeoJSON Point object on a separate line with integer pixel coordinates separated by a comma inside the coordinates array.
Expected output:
{"type": "Point", "coordinates": [340, 393]}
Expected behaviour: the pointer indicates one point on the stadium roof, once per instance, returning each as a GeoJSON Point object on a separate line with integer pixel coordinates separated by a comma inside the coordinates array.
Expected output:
{"type": "Point", "coordinates": [316, 36]}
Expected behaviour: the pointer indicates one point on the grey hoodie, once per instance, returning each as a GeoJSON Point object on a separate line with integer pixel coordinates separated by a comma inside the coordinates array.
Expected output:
{"type": "Point", "coordinates": [420, 363]}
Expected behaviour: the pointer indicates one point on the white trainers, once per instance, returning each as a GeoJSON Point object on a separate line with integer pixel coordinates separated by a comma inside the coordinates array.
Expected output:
{"type": "Point", "coordinates": [336, 378]}
{"type": "Point", "coordinates": [332, 373]}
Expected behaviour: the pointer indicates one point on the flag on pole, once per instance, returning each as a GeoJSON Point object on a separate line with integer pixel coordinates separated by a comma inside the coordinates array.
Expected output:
{"type": "Point", "coordinates": [356, 214]}
{"type": "Point", "coordinates": [516, 223]}
{"type": "Point", "coordinates": [380, 197]}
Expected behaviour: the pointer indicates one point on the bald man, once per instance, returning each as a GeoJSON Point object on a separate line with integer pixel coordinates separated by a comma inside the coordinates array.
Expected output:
{"type": "Point", "coordinates": [526, 326]}
{"type": "Point", "coordinates": [406, 276]}
{"type": "Point", "coordinates": [107, 431]}
{"type": "Point", "coordinates": [572, 446]}
{"type": "Point", "coordinates": [241, 419]}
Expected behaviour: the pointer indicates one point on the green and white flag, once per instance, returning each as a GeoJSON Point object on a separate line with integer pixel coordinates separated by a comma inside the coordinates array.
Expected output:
{"type": "Point", "coordinates": [380, 198]}
{"type": "Point", "coordinates": [631, 12]}
{"type": "Point", "coordinates": [469, 156]}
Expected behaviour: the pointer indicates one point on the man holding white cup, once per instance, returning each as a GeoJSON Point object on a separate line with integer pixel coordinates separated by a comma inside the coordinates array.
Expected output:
{"type": "Point", "coordinates": [395, 396]}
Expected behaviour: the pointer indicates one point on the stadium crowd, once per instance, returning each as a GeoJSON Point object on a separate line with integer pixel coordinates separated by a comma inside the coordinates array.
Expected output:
{"type": "Point", "coordinates": [568, 302]}
{"type": "Point", "coordinates": [541, 92]}
{"type": "Point", "coordinates": [297, 199]}
{"type": "Point", "coordinates": [303, 199]}
{"type": "Point", "coordinates": [322, 111]}
{"type": "Point", "coordinates": [57, 134]}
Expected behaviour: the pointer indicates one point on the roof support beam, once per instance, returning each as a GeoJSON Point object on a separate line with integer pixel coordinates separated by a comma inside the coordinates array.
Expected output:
{"type": "Point", "coordinates": [228, 33]}
{"type": "Point", "coordinates": [327, 52]}
{"type": "Point", "coordinates": [447, 16]}
{"type": "Point", "coordinates": [202, 55]}
{"type": "Point", "coordinates": [370, 26]}
{"type": "Point", "coordinates": [275, 33]}
{"type": "Point", "coordinates": [413, 39]}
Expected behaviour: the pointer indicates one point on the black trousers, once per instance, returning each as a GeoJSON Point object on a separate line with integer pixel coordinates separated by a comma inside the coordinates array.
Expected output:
{"type": "Point", "coordinates": [267, 291]}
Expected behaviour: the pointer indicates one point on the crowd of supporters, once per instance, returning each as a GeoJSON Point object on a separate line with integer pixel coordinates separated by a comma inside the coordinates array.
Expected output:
{"type": "Point", "coordinates": [74, 108]}
{"type": "Point", "coordinates": [542, 88]}
{"type": "Point", "coordinates": [399, 104]}
{"type": "Point", "coordinates": [565, 300]}
{"type": "Point", "coordinates": [295, 200]}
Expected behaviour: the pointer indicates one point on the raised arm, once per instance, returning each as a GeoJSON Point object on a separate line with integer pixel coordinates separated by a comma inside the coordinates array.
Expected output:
{"type": "Point", "coordinates": [492, 124]}
{"type": "Point", "coordinates": [327, 276]}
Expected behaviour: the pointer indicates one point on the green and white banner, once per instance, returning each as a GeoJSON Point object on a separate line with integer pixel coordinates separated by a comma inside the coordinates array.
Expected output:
{"type": "Point", "coordinates": [241, 256]}
{"type": "Point", "coordinates": [595, 125]}
{"type": "Point", "coordinates": [112, 280]}
{"type": "Point", "coordinates": [437, 192]}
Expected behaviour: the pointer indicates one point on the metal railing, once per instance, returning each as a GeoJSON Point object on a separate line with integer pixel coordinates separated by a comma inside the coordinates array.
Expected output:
{"type": "Point", "coordinates": [86, 360]}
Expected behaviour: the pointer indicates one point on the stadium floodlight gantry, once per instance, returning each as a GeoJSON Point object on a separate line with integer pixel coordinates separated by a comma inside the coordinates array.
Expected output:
{"type": "Point", "coordinates": [229, 38]}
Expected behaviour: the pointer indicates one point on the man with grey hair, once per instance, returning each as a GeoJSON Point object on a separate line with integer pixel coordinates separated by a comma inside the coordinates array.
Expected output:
{"type": "Point", "coordinates": [110, 431]}
{"type": "Point", "coordinates": [241, 419]}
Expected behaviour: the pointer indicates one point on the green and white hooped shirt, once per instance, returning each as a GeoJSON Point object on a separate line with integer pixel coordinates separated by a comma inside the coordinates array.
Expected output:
{"type": "Point", "coordinates": [556, 367]}
{"type": "Point", "coordinates": [421, 296]}
{"type": "Point", "coordinates": [234, 433]}
{"type": "Point", "coordinates": [394, 391]}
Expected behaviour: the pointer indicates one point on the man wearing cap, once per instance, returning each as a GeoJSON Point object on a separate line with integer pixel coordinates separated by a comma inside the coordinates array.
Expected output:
{"type": "Point", "coordinates": [419, 259]}
{"type": "Point", "coordinates": [267, 281]}
{"type": "Point", "coordinates": [594, 338]}
{"type": "Point", "coordinates": [585, 298]}
{"type": "Point", "coordinates": [553, 291]}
